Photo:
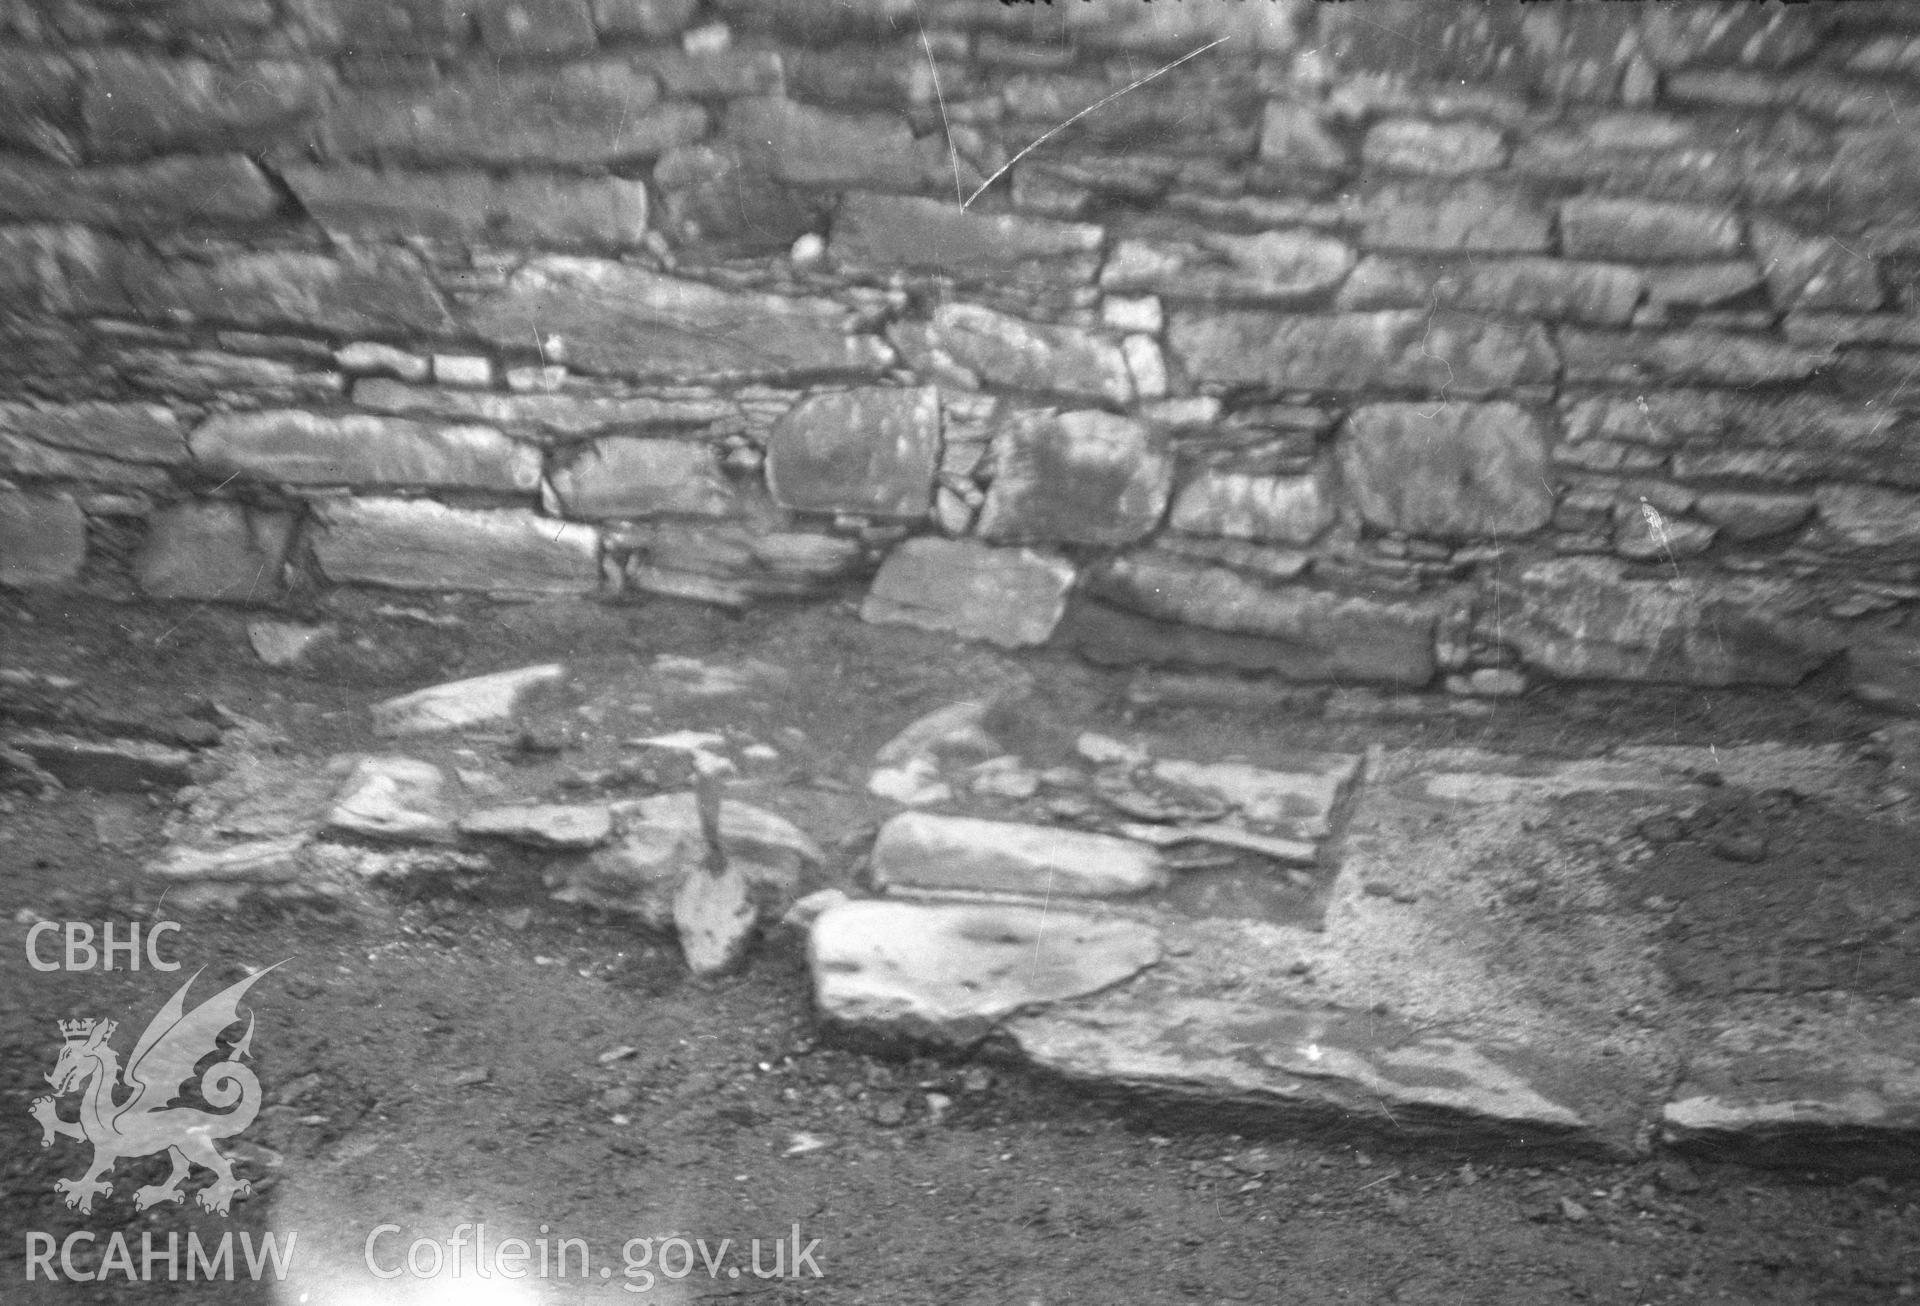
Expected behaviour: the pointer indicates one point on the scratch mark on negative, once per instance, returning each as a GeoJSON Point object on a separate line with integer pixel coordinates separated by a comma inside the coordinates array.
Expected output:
{"type": "Point", "coordinates": [940, 96]}
{"type": "Point", "coordinates": [1134, 85]}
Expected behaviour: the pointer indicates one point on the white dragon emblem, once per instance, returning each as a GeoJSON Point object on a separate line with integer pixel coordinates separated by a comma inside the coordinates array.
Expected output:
{"type": "Point", "coordinates": [175, 1041]}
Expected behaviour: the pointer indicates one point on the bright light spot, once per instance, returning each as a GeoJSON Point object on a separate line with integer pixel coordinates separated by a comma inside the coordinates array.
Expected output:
{"type": "Point", "coordinates": [1313, 1051]}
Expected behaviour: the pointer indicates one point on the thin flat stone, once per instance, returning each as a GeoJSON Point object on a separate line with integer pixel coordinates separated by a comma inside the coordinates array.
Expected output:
{"type": "Point", "coordinates": [544, 825]}
{"type": "Point", "coordinates": [258, 861]}
{"type": "Point", "coordinates": [479, 700]}
{"type": "Point", "coordinates": [1300, 801]}
{"type": "Point", "coordinates": [112, 765]}
{"type": "Point", "coordinates": [950, 973]}
{"type": "Point", "coordinates": [919, 850]}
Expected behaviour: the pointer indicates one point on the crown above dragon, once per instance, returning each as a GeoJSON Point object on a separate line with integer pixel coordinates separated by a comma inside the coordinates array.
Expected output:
{"type": "Point", "coordinates": [81, 1029]}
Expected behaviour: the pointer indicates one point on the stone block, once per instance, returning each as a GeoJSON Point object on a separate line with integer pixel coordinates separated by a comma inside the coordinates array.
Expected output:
{"type": "Point", "coordinates": [1869, 516]}
{"type": "Point", "coordinates": [1644, 358]}
{"type": "Point", "coordinates": [655, 20]}
{"type": "Point", "coordinates": [1584, 619]}
{"type": "Point", "coordinates": [1298, 136]}
{"type": "Point", "coordinates": [594, 112]}
{"type": "Point", "coordinates": [295, 447]}
{"type": "Point", "coordinates": [713, 194]}
{"type": "Point", "coordinates": [544, 28]}
{"type": "Point", "coordinates": [127, 433]}
{"type": "Point", "coordinates": [919, 850]}
{"type": "Point", "coordinates": [810, 146]}
{"type": "Point", "coordinates": [871, 451]}
{"type": "Point", "coordinates": [1454, 217]}
{"type": "Point", "coordinates": [1446, 149]}
{"type": "Point", "coordinates": [888, 232]}
{"type": "Point", "coordinates": [1010, 597]}
{"type": "Point", "coordinates": [43, 538]}
{"type": "Point", "coordinates": [459, 704]}
{"type": "Point", "coordinates": [1079, 478]}
{"type": "Point", "coordinates": [1701, 285]}
{"type": "Point", "coordinates": [214, 550]}
{"type": "Point", "coordinates": [627, 477]}
{"type": "Point", "coordinates": [1601, 226]}
{"type": "Point", "coordinates": [1603, 294]}
{"type": "Point", "coordinates": [1240, 505]}
{"type": "Point", "coordinates": [1344, 635]}
{"type": "Point", "coordinates": [541, 211]}
{"type": "Point", "coordinates": [1448, 471]}
{"type": "Point", "coordinates": [137, 105]}
{"type": "Point", "coordinates": [165, 195]}
{"type": "Point", "coordinates": [1806, 272]}
{"type": "Point", "coordinates": [1272, 266]}
{"type": "Point", "coordinates": [1883, 668]}
{"type": "Point", "coordinates": [422, 545]}
{"type": "Point", "coordinates": [1426, 352]}
{"type": "Point", "coordinates": [1023, 355]}
{"type": "Point", "coordinates": [548, 418]}
{"type": "Point", "coordinates": [602, 316]}
{"type": "Point", "coordinates": [1744, 515]}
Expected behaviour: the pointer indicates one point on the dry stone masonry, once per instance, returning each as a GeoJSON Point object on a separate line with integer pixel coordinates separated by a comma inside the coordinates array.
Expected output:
{"type": "Point", "coordinates": [1573, 341]}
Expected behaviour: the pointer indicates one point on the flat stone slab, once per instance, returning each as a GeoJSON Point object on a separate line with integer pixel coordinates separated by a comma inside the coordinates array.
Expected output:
{"type": "Point", "coordinates": [258, 861]}
{"type": "Point", "coordinates": [1298, 802]}
{"type": "Point", "coordinates": [544, 825]}
{"type": "Point", "coordinates": [950, 973]}
{"type": "Point", "coordinates": [920, 850]}
{"type": "Point", "coordinates": [113, 765]}
{"type": "Point", "coordinates": [399, 798]}
{"type": "Point", "coordinates": [479, 700]}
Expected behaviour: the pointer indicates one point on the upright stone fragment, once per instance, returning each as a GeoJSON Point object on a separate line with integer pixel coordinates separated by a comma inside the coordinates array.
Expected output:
{"type": "Point", "coordinates": [43, 538]}
{"type": "Point", "coordinates": [602, 316]}
{"type": "Point", "coordinates": [1449, 471]}
{"type": "Point", "coordinates": [951, 973]}
{"type": "Point", "coordinates": [1010, 597]}
{"type": "Point", "coordinates": [919, 850]}
{"type": "Point", "coordinates": [295, 447]}
{"type": "Point", "coordinates": [214, 550]}
{"type": "Point", "coordinates": [419, 544]}
{"type": "Point", "coordinates": [1079, 478]}
{"type": "Point", "coordinates": [871, 451]}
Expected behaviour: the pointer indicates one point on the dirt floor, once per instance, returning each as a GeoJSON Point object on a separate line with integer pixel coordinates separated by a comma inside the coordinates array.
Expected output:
{"type": "Point", "coordinates": [464, 1051]}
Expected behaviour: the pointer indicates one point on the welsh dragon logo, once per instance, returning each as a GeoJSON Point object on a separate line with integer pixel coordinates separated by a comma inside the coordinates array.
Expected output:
{"type": "Point", "coordinates": [175, 1042]}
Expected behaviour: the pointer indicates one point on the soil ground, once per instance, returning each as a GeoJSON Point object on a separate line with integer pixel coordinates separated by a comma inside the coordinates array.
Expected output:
{"type": "Point", "coordinates": [467, 1051]}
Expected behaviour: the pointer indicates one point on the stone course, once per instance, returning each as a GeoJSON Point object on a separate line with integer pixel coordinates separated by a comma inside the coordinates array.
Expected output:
{"type": "Point", "coordinates": [1399, 312]}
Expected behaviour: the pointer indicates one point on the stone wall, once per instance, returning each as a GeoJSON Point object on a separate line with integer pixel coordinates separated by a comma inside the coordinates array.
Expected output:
{"type": "Point", "coordinates": [1402, 343]}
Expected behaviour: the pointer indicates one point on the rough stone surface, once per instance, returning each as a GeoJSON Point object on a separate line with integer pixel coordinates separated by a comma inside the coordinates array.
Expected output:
{"type": "Point", "coordinates": [1883, 668]}
{"type": "Point", "coordinates": [810, 146]}
{"type": "Point", "coordinates": [458, 704]}
{"type": "Point", "coordinates": [128, 433]}
{"type": "Point", "coordinates": [1022, 355]}
{"type": "Point", "coordinates": [869, 451]}
{"type": "Point", "coordinates": [257, 861]}
{"type": "Point", "coordinates": [885, 232]}
{"type": "Point", "coordinates": [1583, 619]}
{"type": "Point", "coordinates": [1240, 505]}
{"type": "Point", "coordinates": [295, 447]}
{"type": "Point", "coordinates": [417, 544]}
{"type": "Point", "coordinates": [918, 850]}
{"type": "Point", "coordinates": [1365, 639]}
{"type": "Point", "coordinates": [602, 112]}
{"type": "Point", "coordinates": [1808, 273]}
{"type": "Point", "coordinates": [136, 105]}
{"type": "Point", "coordinates": [38, 98]}
{"type": "Point", "coordinates": [111, 765]}
{"type": "Point", "coordinates": [546, 417]}
{"type": "Point", "coordinates": [547, 28]}
{"type": "Point", "coordinates": [1449, 471]}
{"type": "Point", "coordinates": [43, 538]}
{"type": "Point", "coordinates": [1603, 294]}
{"type": "Point", "coordinates": [397, 798]}
{"type": "Point", "coordinates": [1440, 148]}
{"type": "Point", "coordinates": [1219, 266]}
{"type": "Point", "coordinates": [951, 973]}
{"type": "Point", "coordinates": [611, 317]}
{"type": "Point", "coordinates": [1645, 538]}
{"type": "Point", "coordinates": [165, 195]}
{"type": "Point", "coordinates": [563, 826]}
{"type": "Point", "coordinates": [214, 550]}
{"type": "Point", "coordinates": [1753, 515]}
{"type": "Point", "coordinates": [1594, 226]}
{"type": "Point", "coordinates": [1431, 353]}
{"type": "Point", "coordinates": [542, 211]}
{"type": "Point", "coordinates": [1010, 597]}
{"type": "Point", "coordinates": [1081, 478]}
{"type": "Point", "coordinates": [1684, 357]}
{"type": "Point", "coordinates": [621, 477]}
{"type": "Point", "coordinates": [1869, 517]}
{"type": "Point", "coordinates": [1470, 217]}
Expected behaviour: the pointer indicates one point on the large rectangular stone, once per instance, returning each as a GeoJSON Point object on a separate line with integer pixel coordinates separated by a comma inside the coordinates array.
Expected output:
{"type": "Point", "coordinates": [294, 447]}
{"type": "Point", "coordinates": [423, 545]}
{"type": "Point", "coordinates": [1010, 597]}
{"type": "Point", "coordinates": [1604, 294]}
{"type": "Point", "coordinates": [214, 551]}
{"type": "Point", "coordinates": [543, 211]}
{"type": "Point", "coordinates": [134, 433]}
{"type": "Point", "coordinates": [921, 850]}
{"type": "Point", "coordinates": [546, 417]}
{"type": "Point", "coordinates": [1597, 226]}
{"type": "Point", "coordinates": [871, 451]}
{"type": "Point", "coordinates": [214, 376]}
{"type": "Point", "coordinates": [1448, 471]}
{"type": "Point", "coordinates": [818, 147]}
{"type": "Point", "coordinates": [1683, 357]}
{"type": "Point", "coordinates": [138, 105]}
{"type": "Point", "coordinates": [43, 538]}
{"type": "Point", "coordinates": [601, 316]}
{"type": "Point", "coordinates": [623, 477]}
{"type": "Point", "coordinates": [1425, 352]}
{"type": "Point", "coordinates": [1076, 478]}
{"type": "Point", "coordinates": [598, 112]}
{"type": "Point", "coordinates": [1034, 356]}
{"type": "Point", "coordinates": [166, 194]}
{"type": "Point", "coordinates": [1455, 217]}
{"type": "Point", "coordinates": [887, 232]}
